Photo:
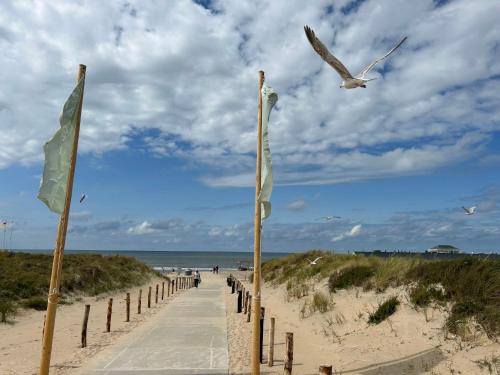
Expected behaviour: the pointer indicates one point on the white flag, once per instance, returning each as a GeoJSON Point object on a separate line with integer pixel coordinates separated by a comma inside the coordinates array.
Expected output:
{"type": "Point", "coordinates": [269, 99]}
{"type": "Point", "coordinates": [58, 154]}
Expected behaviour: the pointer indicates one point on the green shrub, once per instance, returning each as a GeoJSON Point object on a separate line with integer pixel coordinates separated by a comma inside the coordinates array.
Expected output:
{"type": "Point", "coordinates": [348, 277]}
{"type": "Point", "coordinates": [422, 295]}
{"type": "Point", "coordinates": [321, 302]}
{"type": "Point", "coordinates": [384, 310]}
{"type": "Point", "coordinates": [37, 303]}
{"type": "Point", "coordinates": [8, 309]}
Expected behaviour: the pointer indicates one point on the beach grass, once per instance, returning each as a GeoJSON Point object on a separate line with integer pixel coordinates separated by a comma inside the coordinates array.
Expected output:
{"type": "Point", "coordinates": [470, 285]}
{"type": "Point", "coordinates": [384, 310]}
{"type": "Point", "coordinates": [25, 277]}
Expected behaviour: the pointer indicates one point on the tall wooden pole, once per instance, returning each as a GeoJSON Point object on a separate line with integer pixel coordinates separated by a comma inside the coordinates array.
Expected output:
{"type": "Point", "coordinates": [255, 361]}
{"type": "Point", "coordinates": [55, 278]}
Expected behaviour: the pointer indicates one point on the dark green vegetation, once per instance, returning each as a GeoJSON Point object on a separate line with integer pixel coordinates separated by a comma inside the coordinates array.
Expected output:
{"type": "Point", "coordinates": [384, 310]}
{"type": "Point", "coordinates": [24, 278]}
{"type": "Point", "coordinates": [471, 286]}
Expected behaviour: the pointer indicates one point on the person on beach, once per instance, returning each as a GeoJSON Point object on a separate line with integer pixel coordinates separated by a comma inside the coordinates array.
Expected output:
{"type": "Point", "coordinates": [197, 278]}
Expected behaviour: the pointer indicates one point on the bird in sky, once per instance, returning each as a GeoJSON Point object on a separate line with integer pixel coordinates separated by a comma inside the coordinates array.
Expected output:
{"type": "Point", "coordinates": [329, 218]}
{"type": "Point", "coordinates": [82, 198]}
{"type": "Point", "coordinates": [313, 262]}
{"type": "Point", "coordinates": [349, 81]}
{"type": "Point", "coordinates": [470, 210]}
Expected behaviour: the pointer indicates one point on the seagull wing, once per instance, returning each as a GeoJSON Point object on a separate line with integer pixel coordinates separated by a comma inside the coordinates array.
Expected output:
{"type": "Point", "coordinates": [326, 55]}
{"type": "Point", "coordinates": [309, 260]}
{"type": "Point", "coordinates": [473, 209]}
{"type": "Point", "coordinates": [318, 258]}
{"type": "Point", "coordinates": [370, 67]}
{"type": "Point", "coordinates": [465, 209]}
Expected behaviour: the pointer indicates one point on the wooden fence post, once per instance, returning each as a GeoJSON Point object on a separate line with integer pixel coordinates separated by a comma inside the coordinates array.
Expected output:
{"type": "Point", "coordinates": [288, 353]}
{"type": "Point", "coordinates": [127, 301]}
{"type": "Point", "coordinates": [262, 314]}
{"type": "Point", "coordinates": [249, 308]}
{"type": "Point", "coordinates": [245, 308]}
{"type": "Point", "coordinates": [270, 360]}
{"type": "Point", "coordinates": [176, 284]}
{"type": "Point", "coordinates": [149, 298]}
{"type": "Point", "coordinates": [162, 290]}
{"type": "Point", "coordinates": [139, 302]}
{"type": "Point", "coordinates": [233, 286]}
{"type": "Point", "coordinates": [325, 370]}
{"type": "Point", "coordinates": [84, 325]}
{"type": "Point", "coordinates": [240, 300]}
{"type": "Point", "coordinates": [108, 317]}
{"type": "Point", "coordinates": [156, 295]}
{"type": "Point", "coordinates": [168, 288]}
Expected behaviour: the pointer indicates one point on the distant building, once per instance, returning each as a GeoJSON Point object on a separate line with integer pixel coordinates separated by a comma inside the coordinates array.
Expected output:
{"type": "Point", "coordinates": [443, 249]}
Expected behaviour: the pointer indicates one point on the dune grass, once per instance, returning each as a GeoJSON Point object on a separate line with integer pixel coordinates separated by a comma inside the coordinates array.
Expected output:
{"type": "Point", "coordinates": [24, 278]}
{"type": "Point", "coordinates": [384, 310]}
{"type": "Point", "coordinates": [470, 285]}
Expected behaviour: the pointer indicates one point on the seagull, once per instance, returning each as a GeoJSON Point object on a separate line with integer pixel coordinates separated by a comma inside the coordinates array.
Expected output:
{"type": "Point", "coordinates": [83, 197]}
{"type": "Point", "coordinates": [348, 81]}
{"type": "Point", "coordinates": [313, 262]}
{"type": "Point", "coordinates": [470, 210]}
{"type": "Point", "coordinates": [329, 218]}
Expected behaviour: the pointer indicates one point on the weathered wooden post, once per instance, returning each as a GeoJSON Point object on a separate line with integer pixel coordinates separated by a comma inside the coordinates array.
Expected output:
{"type": "Point", "coordinates": [139, 302]}
{"type": "Point", "coordinates": [249, 308]}
{"type": "Point", "coordinates": [288, 353]}
{"type": "Point", "coordinates": [261, 338]}
{"type": "Point", "coordinates": [168, 288]}
{"type": "Point", "coordinates": [156, 294]}
{"type": "Point", "coordinates": [176, 284]}
{"type": "Point", "coordinates": [127, 302]}
{"type": "Point", "coordinates": [325, 370]}
{"type": "Point", "coordinates": [162, 290]}
{"type": "Point", "coordinates": [149, 297]}
{"type": "Point", "coordinates": [108, 318]}
{"type": "Point", "coordinates": [270, 360]}
{"type": "Point", "coordinates": [245, 308]}
{"type": "Point", "coordinates": [240, 301]}
{"type": "Point", "coordinates": [173, 286]}
{"type": "Point", "coordinates": [84, 325]}
{"type": "Point", "coordinates": [233, 286]}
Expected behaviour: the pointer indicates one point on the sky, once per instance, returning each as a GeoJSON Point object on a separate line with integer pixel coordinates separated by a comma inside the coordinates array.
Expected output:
{"type": "Point", "coordinates": [168, 132]}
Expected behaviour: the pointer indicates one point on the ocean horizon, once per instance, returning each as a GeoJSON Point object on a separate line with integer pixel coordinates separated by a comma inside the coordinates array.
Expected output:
{"type": "Point", "coordinates": [158, 259]}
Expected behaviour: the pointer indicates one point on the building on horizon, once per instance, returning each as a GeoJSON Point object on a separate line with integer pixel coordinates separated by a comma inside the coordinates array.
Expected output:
{"type": "Point", "coordinates": [443, 249]}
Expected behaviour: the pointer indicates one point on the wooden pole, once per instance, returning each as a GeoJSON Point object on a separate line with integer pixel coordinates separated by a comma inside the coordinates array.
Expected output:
{"type": "Point", "coordinates": [127, 302]}
{"type": "Point", "coordinates": [108, 317]}
{"type": "Point", "coordinates": [168, 288]}
{"type": "Point", "coordinates": [84, 325]}
{"type": "Point", "coordinates": [149, 298]}
{"type": "Point", "coordinates": [245, 307]}
{"type": "Point", "coordinates": [249, 308]}
{"type": "Point", "coordinates": [156, 294]}
{"type": "Point", "coordinates": [239, 302]}
{"type": "Point", "coordinates": [162, 290]}
{"type": "Point", "coordinates": [139, 302]}
{"type": "Point", "coordinates": [55, 278]}
{"type": "Point", "coordinates": [261, 338]}
{"type": "Point", "coordinates": [325, 370]}
{"type": "Point", "coordinates": [288, 353]}
{"type": "Point", "coordinates": [270, 360]}
{"type": "Point", "coordinates": [256, 246]}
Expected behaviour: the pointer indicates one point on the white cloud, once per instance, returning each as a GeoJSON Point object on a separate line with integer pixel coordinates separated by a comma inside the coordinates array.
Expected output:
{"type": "Point", "coordinates": [353, 232]}
{"type": "Point", "coordinates": [194, 80]}
{"type": "Point", "coordinates": [144, 228]}
{"type": "Point", "coordinates": [297, 205]}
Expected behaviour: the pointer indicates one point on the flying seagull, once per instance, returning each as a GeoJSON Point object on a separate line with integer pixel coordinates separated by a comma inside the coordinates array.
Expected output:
{"type": "Point", "coordinates": [329, 218]}
{"type": "Point", "coordinates": [83, 197]}
{"type": "Point", "coordinates": [470, 210]}
{"type": "Point", "coordinates": [348, 81]}
{"type": "Point", "coordinates": [313, 262]}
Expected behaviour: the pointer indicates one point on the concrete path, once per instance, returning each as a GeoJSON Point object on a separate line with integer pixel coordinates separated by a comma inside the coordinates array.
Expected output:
{"type": "Point", "coordinates": [188, 337]}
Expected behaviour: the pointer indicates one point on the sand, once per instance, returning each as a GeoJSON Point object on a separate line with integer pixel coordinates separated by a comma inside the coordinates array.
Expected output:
{"type": "Point", "coordinates": [409, 342]}
{"type": "Point", "coordinates": [20, 340]}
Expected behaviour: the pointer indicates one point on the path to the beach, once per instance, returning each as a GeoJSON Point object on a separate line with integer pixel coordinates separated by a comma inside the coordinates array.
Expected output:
{"type": "Point", "coordinates": [188, 337]}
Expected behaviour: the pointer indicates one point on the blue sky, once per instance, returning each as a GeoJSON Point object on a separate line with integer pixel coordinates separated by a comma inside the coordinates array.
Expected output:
{"type": "Point", "coordinates": [168, 128]}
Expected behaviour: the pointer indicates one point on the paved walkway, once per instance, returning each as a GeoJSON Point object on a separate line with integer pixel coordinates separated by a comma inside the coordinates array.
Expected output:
{"type": "Point", "coordinates": [188, 337]}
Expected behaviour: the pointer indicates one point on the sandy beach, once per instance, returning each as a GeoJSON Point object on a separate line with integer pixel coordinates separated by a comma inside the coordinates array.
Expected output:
{"type": "Point", "coordinates": [409, 342]}
{"type": "Point", "coordinates": [20, 342]}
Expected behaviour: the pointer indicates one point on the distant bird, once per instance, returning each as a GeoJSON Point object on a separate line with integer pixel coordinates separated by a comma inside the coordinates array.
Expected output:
{"type": "Point", "coordinates": [329, 218]}
{"type": "Point", "coordinates": [470, 210]}
{"type": "Point", "coordinates": [349, 82]}
{"type": "Point", "coordinates": [313, 262]}
{"type": "Point", "coordinates": [82, 198]}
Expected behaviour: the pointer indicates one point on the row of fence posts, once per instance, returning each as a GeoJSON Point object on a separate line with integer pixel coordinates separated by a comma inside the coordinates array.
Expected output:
{"type": "Point", "coordinates": [244, 305]}
{"type": "Point", "coordinates": [173, 286]}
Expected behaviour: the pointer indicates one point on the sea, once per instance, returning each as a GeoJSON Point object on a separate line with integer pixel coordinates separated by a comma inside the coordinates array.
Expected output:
{"type": "Point", "coordinates": [168, 260]}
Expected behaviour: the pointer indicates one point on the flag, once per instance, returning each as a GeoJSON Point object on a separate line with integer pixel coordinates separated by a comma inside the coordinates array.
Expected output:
{"type": "Point", "coordinates": [269, 99]}
{"type": "Point", "coordinates": [58, 154]}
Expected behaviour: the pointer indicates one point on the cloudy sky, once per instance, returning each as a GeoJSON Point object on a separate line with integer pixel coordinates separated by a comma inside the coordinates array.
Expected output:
{"type": "Point", "coordinates": [167, 147]}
